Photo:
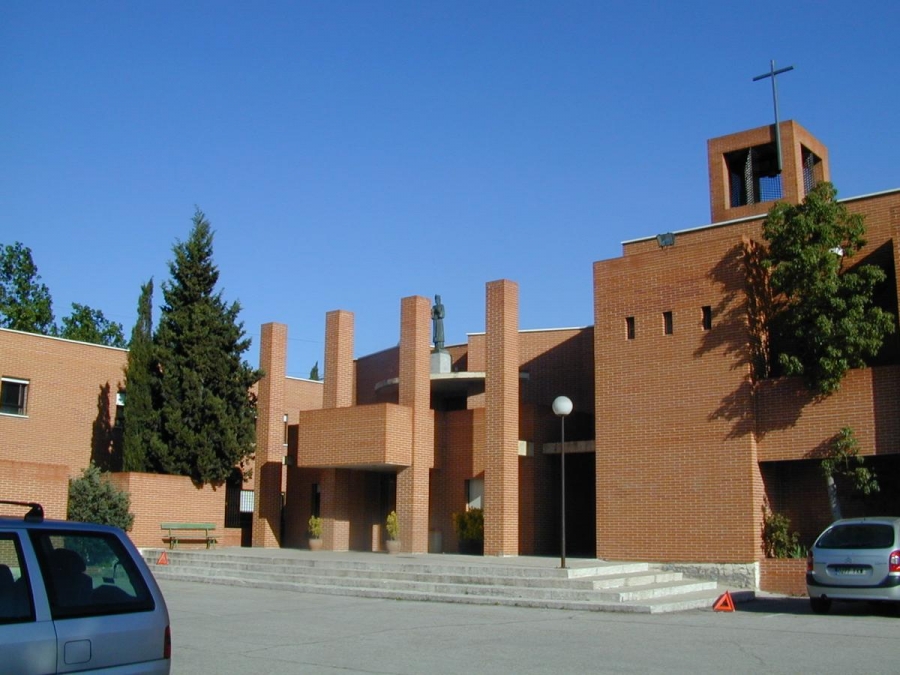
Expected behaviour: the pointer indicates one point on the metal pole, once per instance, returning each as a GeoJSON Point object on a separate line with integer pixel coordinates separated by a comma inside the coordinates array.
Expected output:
{"type": "Point", "coordinates": [777, 127]}
{"type": "Point", "coordinates": [562, 454]}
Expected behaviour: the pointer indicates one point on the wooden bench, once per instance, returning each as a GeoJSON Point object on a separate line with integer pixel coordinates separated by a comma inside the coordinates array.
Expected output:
{"type": "Point", "coordinates": [176, 529]}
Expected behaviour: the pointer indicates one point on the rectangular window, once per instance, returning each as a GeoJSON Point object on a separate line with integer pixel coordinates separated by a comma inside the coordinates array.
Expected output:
{"type": "Point", "coordinates": [813, 171]}
{"type": "Point", "coordinates": [120, 410]}
{"type": "Point", "coordinates": [668, 327]}
{"type": "Point", "coordinates": [753, 175]}
{"type": "Point", "coordinates": [707, 317]}
{"type": "Point", "coordinates": [629, 327]}
{"type": "Point", "coordinates": [475, 493]}
{"type": "Point", "coordinates": [89, 574]}
{"type": "Point", "coordinates": [316, 503]}
{"type": "Point", "coordinates": [13, 396]}
{"type": "Point", "coordinates": [15, 587]}
{"type": "Point", "coordinates": [285, 440]}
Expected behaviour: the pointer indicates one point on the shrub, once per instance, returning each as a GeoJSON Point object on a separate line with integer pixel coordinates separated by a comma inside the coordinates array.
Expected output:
{"type": "Point", "coordinates": [314, 527]}
{"type": "Point", "coordinates": [469, 525]}
{"type": "Point", "coordinates": [778, 540]}
{"type": "Point", "coordinates": [393, 526]}
{"type": "Point", "coordinates": [93, 499]}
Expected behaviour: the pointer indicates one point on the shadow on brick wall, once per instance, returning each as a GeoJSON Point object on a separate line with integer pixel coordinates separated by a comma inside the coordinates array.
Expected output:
{"type": "Point", "coordinates": [106, 445]}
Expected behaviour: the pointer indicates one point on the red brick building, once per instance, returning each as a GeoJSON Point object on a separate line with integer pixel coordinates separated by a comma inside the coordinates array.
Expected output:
{"type": "Point", "coordinates": [672, 450]}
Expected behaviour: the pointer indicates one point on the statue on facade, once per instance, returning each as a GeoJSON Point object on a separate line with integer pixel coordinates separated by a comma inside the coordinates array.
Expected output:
{"type": "Point", "coordinates": [437, 318]}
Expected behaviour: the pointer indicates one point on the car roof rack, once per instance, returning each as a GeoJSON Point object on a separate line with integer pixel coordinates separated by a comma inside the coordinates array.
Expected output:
{"type": "Point", "coordinates": [35, 515]}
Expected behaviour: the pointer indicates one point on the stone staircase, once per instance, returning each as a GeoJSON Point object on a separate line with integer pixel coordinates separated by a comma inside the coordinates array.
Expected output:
{"type": "Point", "coordinates": [525, 582]}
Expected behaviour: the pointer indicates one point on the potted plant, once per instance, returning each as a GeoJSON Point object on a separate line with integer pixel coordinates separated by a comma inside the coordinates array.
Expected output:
{"type": "Point", "coordinates": [314, 528]}
{"type": "Point", "coordinates": [469, 526]}
{"type": "Point", "coordinates": [392, 526]}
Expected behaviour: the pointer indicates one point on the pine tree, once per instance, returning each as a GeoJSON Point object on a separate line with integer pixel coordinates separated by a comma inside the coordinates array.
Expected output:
{"type": "Point", "coordinates": [93, 499]}
{"type": "Point", "coordinates": [141, 419]}
{"type": "Point", "coordinates": [207, 412]}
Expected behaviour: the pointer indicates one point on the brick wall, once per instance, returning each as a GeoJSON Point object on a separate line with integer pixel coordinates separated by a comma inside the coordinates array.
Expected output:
{"type": "Point", "coordinates": [677, 474]}
{"type": "Point", "coordinates": [794, 425]}
{"type": "Point", "coordinates": [373, 369]}
{"type": "Point", "coordinates": [46, 484]}
{"type": "Point", "coordinates": [71, 400]}
{"type": "Point", "coordinates": [157, 499]}
{"type": "Point", "coordinates": [355, 436]}
{"type": "Point", "coordinates": [783, 575]}
{"type": "Point", "coordinates": [457, 462]}
{"type": "Point", "coordinates": [678, 408]}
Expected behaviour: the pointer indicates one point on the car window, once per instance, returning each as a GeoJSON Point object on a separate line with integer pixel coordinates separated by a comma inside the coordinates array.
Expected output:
{"type": "Point", "coordinates": [89, 574]}
{"type": "Point", "coordinates": [15, 591]}
{"type": "Point", "coordinates": [859, 535]}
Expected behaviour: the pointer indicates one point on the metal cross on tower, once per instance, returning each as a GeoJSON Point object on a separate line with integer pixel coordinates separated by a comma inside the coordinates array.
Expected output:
{"type": "Point", "coordinates": [772, 73]}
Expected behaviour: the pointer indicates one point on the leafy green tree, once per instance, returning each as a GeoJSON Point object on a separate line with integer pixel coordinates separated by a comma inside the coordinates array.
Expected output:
{"type": "Point", "coordinates": [207, 414]}
{"type": "Point", "coordinates": [843, 459]}
{"type": "Point", "coordinates": [89, 325]}
{"type": "Point", "coordinates": [141, 417]}
{"type": "Point", "coordinates": [314, 372]}
{"type": "Point", "coordinates": [25, 303]}
{"type": "Point", "coordinates": [93, 499]}
{"type": "Point", "coordinates": [824, 321]}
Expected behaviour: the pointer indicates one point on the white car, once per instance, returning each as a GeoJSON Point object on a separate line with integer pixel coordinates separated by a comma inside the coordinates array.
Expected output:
{"type": "Point", "coordinates": [855, 559]}
{"type": "Point", "coordinates": [77, 597]}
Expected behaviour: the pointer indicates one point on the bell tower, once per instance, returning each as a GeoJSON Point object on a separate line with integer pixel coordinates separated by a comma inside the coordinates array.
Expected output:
{"type": "Point", "coordinates": [744, 177]}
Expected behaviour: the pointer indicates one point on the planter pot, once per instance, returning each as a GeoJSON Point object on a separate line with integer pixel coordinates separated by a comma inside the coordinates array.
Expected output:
{"type": "Point", "coordinates": [393, 545]}
{"type": "Point", "coordinates": [315, 544]}
{"type": "Point", "coordinates": [471, 546]}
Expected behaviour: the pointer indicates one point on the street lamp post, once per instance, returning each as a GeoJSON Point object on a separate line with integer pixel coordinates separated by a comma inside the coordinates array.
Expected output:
{"type": "Point", "coordinates": [562, 406]}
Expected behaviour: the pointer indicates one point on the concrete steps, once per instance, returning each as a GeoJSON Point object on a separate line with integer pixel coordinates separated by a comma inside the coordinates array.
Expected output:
{"type": "Point", "coordinates": [526, 582]}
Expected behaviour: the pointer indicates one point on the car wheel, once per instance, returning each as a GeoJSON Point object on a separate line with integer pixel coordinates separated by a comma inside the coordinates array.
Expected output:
{"type": "Point", "coordinates": [820, 605]}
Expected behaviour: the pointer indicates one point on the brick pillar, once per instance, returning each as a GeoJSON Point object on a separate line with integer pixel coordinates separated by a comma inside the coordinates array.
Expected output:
{"type": "Point", "coordinates": [335, 509]}
{"type": "Point", "coordinates": [338, 384]}
{"type": "Point", "coordinates": [415, 392]}
{"type": "Point", "coordinates": [501, 446]}
{"type": "Point", "coordinates": [270, 436]}
{"type": "Point", "coordinates": [337, 393]}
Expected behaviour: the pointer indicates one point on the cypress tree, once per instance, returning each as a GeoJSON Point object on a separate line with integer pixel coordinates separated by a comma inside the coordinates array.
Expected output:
{"type": "Point", "coordinates": [141, 419]}
{"type": "Point", "coordinates": [207, 414]}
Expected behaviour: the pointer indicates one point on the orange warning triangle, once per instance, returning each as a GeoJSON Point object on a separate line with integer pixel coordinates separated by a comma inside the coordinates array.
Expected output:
{"type": "Point", "coordinates": [724, 603]}
{"type": "Point", "coordinates": [163, 559]}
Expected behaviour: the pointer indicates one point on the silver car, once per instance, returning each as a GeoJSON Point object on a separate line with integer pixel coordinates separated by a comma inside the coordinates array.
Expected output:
{"type": "Point", "coordinates": [77, 597]}
{"type": "Point", "coordinates": [855, 559]}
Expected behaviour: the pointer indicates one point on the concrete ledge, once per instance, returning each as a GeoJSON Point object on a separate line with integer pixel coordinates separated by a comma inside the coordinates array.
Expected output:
{"type": "Point", "coordinates": [738, 575]}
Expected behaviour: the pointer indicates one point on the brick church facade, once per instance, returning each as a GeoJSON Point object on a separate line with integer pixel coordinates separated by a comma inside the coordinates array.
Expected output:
{"type": "Point", "coordinates": [672, 451]}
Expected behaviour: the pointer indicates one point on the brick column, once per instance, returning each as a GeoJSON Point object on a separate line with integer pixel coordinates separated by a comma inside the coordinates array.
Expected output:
{"type": "Point", "coordinates": [337, 393]}
{"type": "Point", "coordinates": [501, 447]}
{"type": "Point", "coordinates": [270, 436]}
{"type": "Point", "coordinates": [415, 392]}
{"type": "Point", "coordinates": [338, 384]}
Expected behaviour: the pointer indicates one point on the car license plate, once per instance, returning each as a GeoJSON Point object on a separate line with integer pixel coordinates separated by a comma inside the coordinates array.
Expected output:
{"type": "Point", "coordinates": [850, 571]}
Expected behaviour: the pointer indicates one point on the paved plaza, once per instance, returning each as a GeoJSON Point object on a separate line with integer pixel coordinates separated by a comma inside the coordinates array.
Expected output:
{"type": "Point", "coordinates": [228, 630]}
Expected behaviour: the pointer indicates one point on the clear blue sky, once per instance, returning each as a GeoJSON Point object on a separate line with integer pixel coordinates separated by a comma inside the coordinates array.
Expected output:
{"type": "Point", "coordinates": [349, 154]}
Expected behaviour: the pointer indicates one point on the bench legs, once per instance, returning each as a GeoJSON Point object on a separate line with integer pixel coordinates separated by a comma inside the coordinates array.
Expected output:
{"type": "Point", "coordinates": [210, 542]}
